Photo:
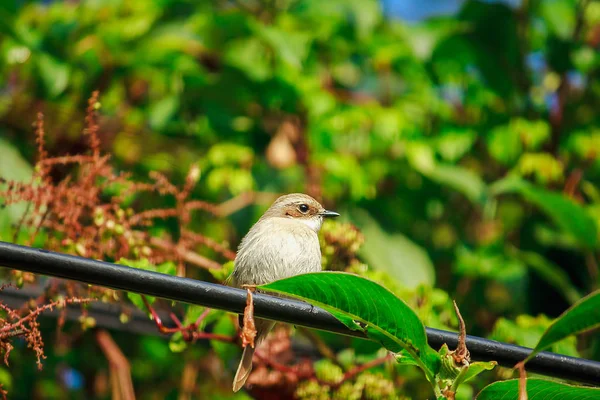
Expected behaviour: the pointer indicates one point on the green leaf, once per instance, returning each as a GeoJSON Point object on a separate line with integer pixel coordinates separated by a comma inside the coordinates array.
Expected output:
{"type": "Point", "coordinates": [489, 263]}
{"type": "Point", "coordinates": [526, 330]}
{"type": "Point", "coordinates": [54, 73]}
{"type": "Point", "coordinates": [395, 254]}
{"type": "Point", "coordinates": [459, 374]}
{"type": "Point", "coordinates": [365, 15]}
{"type": "Point", "coordinates": [13, 167]}
{"type": "Point", "coordinates": [425, 37]}
{"type": "Point", "coordinates": [422, 158]}
{"type": "Point", "coordinates": [225, 326]}
{"type": "Point", "coordinates": [582, 316]}
{"type": "Point", "coordinates": [550, 272]}
{"type": "Point", "coordinates": [452, 144]}
{"type": "Point", "coordinates": [250, 56]}
{"type": "Point", "coordinates": [6, 379]}
{"type": "Point", "coordinates": [560, 17]}
{"type": "Point", "coordinates": [177, 344]}
{"type": "Point", "coordinates": [504, 145]}
{"type": "Point", "coordinates": [165, 268]}
{"type": "Point", "coordinates": [404, 358]}
{"type": "Point", "coordinates": [163, 111]}
{"type": "Point", "coordinates": [460, 179]}
{"type": "Point", "coordinates": [475, 369]}
{"type": "Point", "coordinates": [537, 389]}
{"type": "Point", "coordinates": [354, 300]}
{"type": "Point", "coordinates": [568, 215]}
{"type": "Point", "coordinates": [136, 300]}
{"type": "Point", "coordinates": [452, 375]}
{"type": "Point", "coordinates": [290, 47]}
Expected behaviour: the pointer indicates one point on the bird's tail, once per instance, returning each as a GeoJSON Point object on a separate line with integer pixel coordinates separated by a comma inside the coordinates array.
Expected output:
{"type": "Point", "coordinates": [243, 371]}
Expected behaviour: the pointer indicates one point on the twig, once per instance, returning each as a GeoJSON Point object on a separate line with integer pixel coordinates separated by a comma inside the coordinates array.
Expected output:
{"type": "Point", "coordinates": [190, 332]}
{"type": "Point", "coordinates": [188, 380]}
{"type": "Point", "coordinates": [120, 370]}
{"type": "Point", "coordinates": [319, 344]}
{"type": "Point", "coordinates": [592, 266]}
{"type": "Point", "coordinates": [245, 199]}
{"type": "Point", "coordinates": [310, 373]}
{"type": "Point", "coordinates": [188, 255]}
{"type": "Point", "coordinates": [208, 242]}
{"type": "Point", "coordinates": [278, 366]}
{"type": "Point", "coordinates": [522, 381]}
{"type": "Point", "coordinates": [361, 368]}
{"type": "Point", "coordinates": [572, 182]}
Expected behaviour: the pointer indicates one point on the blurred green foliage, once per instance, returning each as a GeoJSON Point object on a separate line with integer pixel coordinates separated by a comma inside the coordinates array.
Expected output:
{"type": "Point", "coordinates": [465, 147]}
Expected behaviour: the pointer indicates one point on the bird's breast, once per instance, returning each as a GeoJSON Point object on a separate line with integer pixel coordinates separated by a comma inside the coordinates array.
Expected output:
{"type": "Point", "coordinates": [275, 250]}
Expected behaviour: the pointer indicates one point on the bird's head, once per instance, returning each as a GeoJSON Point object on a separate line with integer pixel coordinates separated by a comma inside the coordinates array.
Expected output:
{"type": "Point", "coordinates": [300, 207]}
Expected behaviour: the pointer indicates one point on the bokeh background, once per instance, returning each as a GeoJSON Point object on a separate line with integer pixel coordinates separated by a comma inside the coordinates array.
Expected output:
{"type": "Point", "coordinates": [461, 138]}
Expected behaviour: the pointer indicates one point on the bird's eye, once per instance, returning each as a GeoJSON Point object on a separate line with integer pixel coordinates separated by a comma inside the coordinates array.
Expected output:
{"type": "Point", "coordinates": [303, 208]}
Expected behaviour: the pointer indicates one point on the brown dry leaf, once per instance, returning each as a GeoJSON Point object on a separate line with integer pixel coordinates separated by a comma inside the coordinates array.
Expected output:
{"type": "Point", "coordinates": [280, 152]}
{"type": "Point", "coordinates": [249, 329]}
{"type": "Point", "coordinates": [461, 355]}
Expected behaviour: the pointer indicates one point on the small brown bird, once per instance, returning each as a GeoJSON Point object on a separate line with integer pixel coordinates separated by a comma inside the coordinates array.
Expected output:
{"type": "Point", "coordinates": [281, 244]}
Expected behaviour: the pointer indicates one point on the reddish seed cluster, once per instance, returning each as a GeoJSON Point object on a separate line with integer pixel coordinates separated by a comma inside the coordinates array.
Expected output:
{"type": "Point", "coordinates": [273, 365]}
{"type": "Point", "coordinates": [23, 323]}
{"type": "Point", "coordinates": [340, 243]}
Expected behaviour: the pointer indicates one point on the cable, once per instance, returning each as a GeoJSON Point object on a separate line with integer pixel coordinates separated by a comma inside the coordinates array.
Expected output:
{"type": "Point", "coordinates": [221, 297]}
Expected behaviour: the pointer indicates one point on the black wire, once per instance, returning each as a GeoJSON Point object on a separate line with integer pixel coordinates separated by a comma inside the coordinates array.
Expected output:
{"type": "Point", "coordinates": [294, 312]}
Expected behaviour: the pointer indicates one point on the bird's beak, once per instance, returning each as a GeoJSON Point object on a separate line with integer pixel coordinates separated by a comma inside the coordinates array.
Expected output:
{"type": "Point", "coordinates": [330, 214]}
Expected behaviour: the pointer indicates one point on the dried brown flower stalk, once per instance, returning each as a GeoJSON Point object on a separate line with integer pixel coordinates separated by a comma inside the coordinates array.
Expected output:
{"type": "Point", "coordinates": [67, 197]}
{"type": "Point", "coordinates": [23, 323]}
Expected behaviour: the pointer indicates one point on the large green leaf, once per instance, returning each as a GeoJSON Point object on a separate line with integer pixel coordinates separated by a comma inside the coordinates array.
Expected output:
{"type": "Point", "coordinates": [568, 215]}
{"type": "Point", "coordinates": [362, 304]}
{"type": "Point", "coordinates": [583, 315]}
{"type": "Point", "coordinates": [537, 389]}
